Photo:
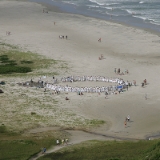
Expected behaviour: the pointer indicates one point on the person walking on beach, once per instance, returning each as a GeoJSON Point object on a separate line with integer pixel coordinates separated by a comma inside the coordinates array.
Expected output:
{"type": "Point", "coordinates": [57, 141]}
{"type": "Point", "coordinates": [99, 40]}
{"type": "Point", "coordinates": [134, 82]}
{"type": "Point", "coordinates": [145, 82]}
{"type": "Point", "coordinates": [125, 123]}
{"type": "Point", "coordinates": [118, 71]}
{"type": "Point", "coordinates": [128, 118]}
{"type": "Point", "coordinates": [115, 70]}
{"type": "Point", "coordinates": [8, 33]}
{"type": "Point", "coordinates": [127, 71]}
{"type": "Point", "coordinates": [62, 141]}
{"type": "Point", "coordinates": [127, 85]}
{"type": "Point", "coordinates": [102, 56]}
{"type": "Point", "coordinates": [44, 150]}
{"type": "Point", "coordinates": [66, 141]}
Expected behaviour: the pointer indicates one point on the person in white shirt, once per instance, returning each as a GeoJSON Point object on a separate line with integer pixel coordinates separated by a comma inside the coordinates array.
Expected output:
{"type": "Point", "coordinates": [128, 118]}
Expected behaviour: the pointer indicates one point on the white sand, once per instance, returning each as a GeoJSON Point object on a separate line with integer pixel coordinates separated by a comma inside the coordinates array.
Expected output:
{"type": "Point", "coordinates": [123, 47]}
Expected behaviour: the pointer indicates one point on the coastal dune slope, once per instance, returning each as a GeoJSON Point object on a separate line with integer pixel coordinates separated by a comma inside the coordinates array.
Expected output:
{"type": "Point", "coordinates": [122, 46]}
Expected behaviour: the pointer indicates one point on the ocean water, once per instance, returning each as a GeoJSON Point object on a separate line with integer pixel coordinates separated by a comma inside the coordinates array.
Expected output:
{"type": "Point", "coordinates": [139, 13]}
{"type": "Point", "coordinates": [147, 10]}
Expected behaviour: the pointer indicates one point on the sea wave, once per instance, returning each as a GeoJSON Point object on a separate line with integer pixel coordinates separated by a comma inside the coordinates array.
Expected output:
{"type": "Point", "coordinates": [112, 14]}
{"type": "Point", "coordinates": [141, 2]}
{"type": "Point", "coordinates": [92, 6]}
{"type": "Point", "coordinates": [70, 3]}
{"type": "Point", "coordinates": [147, 10]}
{"type": "Point", "coordinates": [140, 17]}
{"type": "Point", "coordinates": [156, 23]}
{"type": "Point", "coordinates": [129, 11]}
{"type": "Point", "coordinates": [148, 20]}
{"type": "Point", "coordinates": [111, 4]}
{"type": "Point", "coordinates": [94, 1]}
{"type": "Point", "coordinates": [110, 8]}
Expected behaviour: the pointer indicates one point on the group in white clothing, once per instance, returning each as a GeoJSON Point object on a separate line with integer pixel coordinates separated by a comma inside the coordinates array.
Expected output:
{"type": "Point", "coordinates": [92, 78]}
{"type": "Point", "coordinates": [103, 89]}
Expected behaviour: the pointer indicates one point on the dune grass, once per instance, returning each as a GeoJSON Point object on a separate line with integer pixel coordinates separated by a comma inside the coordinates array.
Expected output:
{"type": "Point", "coordinates": [22, 62]}
{"type": "Point", "coordinates": [109, 150]}
{"type": "Point", "coordinates": [22, 149]}
{"type": "Point", "coordinates": [14, 146]}
{"type": "Point", "coordinates": [13, 60]}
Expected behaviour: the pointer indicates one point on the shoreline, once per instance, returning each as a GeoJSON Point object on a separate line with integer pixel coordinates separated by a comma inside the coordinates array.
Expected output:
{"type": "Point", "coordinates": [60, 7]}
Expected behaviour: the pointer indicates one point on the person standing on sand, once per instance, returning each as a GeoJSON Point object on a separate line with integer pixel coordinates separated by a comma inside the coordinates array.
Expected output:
{"type": "Point", "coordinates": [128, 118]}
{"type": "Point", "coordinates": [57, 141]}
{"type": "Point", "coordinates": [66, 141]}
{"type": "Point", "coordinates": [115, 70]}
{"type": "Point", "coordinates": [118, 71]}
{"type": "Point", "coordinates": [127, 85]}
{"type": "Point", "coordinates": [145, 82]}
{"type": "Point", "coordinates": [99, 40]}
{"type": "Point", "coordinates": [125, 123]}
{"type": "Point", "coordinates": [62, 141]}
{"type": "Point", "coordinates": [134, 82]}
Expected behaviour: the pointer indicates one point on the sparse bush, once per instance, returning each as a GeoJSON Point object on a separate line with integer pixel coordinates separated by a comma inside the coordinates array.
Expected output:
{"type": "Point", "coordinates": [3, 129]}
{"type": "Point", "coordinates": [26, 62]}
{"type": "Point", "coordinates": [6, 69]}
{"type": "Point", "coordinates": [33, 113]}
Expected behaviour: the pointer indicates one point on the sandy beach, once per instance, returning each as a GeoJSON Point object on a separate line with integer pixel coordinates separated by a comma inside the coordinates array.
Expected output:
{"type": "Point", "coordinates": [122, 46]}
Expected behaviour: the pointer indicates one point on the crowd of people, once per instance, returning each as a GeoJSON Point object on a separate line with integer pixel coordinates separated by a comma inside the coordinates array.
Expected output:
{"type": "Point", "coordinates": [118, 71]}
{"type": "Point", "coordinates": [92, 78]}
{"type": "Point", "coordinates": [8, 33]}
{"type": "Point", "coordinates": [62, 37]}
{"type": "Point", "coordinates": [62, 141]}
{"type": "Point", "coordinates": [111, 89]}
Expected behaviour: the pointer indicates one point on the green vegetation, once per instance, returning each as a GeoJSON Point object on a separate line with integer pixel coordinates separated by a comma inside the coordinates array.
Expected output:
{"type": "Point", "coordinates": [27, 62]}
{"type": "Point", "coordinates": [10, 66]}
{"type": "Point", "coordinates": [7, 46]}
{"type": "Point", "coordinates": [14, 146]}
{"type": "Point", "coordinates": [14, 61]}
{"type": "Point", "coordinates": [109, 150]}
{"type": "Point", "coordinates": [22, 149]}
{"type": "Point", "coordinates": [3, 129]}
{"type": "Point", "coordinates": [95, 122]}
